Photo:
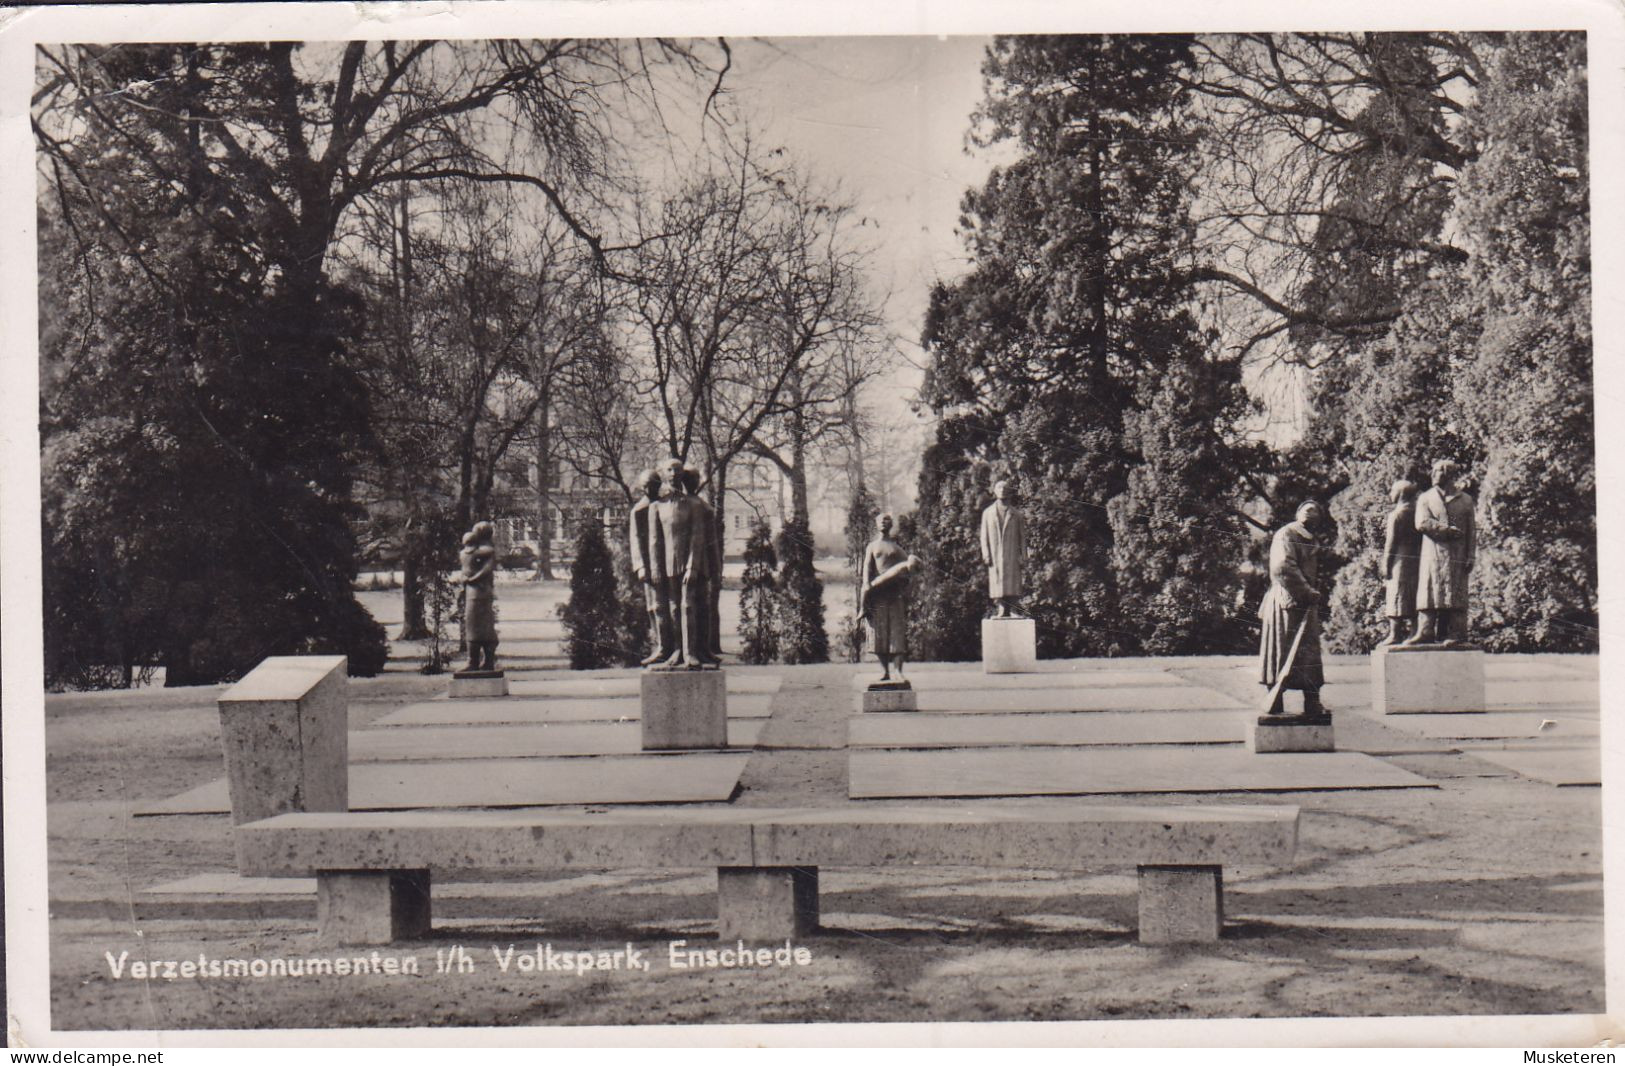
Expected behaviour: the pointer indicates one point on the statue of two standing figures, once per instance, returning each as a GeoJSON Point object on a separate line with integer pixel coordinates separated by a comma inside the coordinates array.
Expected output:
{"type": "Point", "coordinates": [1427, 557]}
{"type": "Point", "coordinates": [677, 556]}
{"type": "Point", "coordinates": [477, 574]}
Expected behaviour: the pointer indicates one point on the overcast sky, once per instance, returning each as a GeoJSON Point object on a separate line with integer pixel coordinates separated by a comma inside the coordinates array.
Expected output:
{"type": "Point", "coordinates": [887, 118]}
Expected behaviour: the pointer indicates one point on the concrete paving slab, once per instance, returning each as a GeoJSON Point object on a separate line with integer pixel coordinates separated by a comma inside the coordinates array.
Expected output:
{"type": "Point", "coordinates": [1523, 694]}
{"type": "Point", "coordinates": [997, 730]}
{"type": "Point", "coordinates": [1147, 698]}
{"type": "Point", "coordinates": [1553, 765]}
{"type": "Point", "coordinates": [516, 711]}
{"type": "Point", "coordinates": [941, 680]}
{"type": "Point", "coordinates": [700, 777]}
{"type": "Point", "coordinates": [1076, 772]}
{"type": "Point", "coordinates": [626, 685]}
{"type": "Point", "coordinates": [1493, 725]}
{"type": "Point", "coordinates": [559, 739]}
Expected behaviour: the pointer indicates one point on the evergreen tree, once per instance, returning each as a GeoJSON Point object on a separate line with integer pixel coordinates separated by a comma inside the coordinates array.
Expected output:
{"type": "Point", "coordinates": [802, 637]}
{"type": "Point", "coordinates": [592, 615]}
{"type": "Point", "coordinates": [950, 593]}
{"type": "Point", "coordinates": [861, 514]}
{"type": "Point", "coordinates": [758, 599]}
{"type": "Point", "coordinates": [1524, 391]}
{"type": "Point", "coordinates": [1070, 355]}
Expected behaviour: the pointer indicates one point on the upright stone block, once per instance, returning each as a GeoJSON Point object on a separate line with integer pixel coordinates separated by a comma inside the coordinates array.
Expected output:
{"type": "Point", "coordinates": [1181, 904]}
{"type": "Point", "coordinates": [888, 696]}
{"type": "Point", "coordinates": [766, 902]}
{"type": "Point", "coordinates": [1291, 732]}
{"type": "Point", "coordinates": [1427, 679]}
{"type": "Point", "coordinates": [285, 731]}
{"type": "Point", "coordinates": [478, 684]}
{"type": "Point", "coordinates": [1009, 645]}
{"type": "Point", "coordinates": [371, 906]}
{"type": "Point", "coordinates": [684, 709]}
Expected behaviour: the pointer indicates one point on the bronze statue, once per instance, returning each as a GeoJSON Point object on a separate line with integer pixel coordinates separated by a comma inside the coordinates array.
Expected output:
{"type": "Point", "coordinates": [883, 597]}
{"type": "Point", "coordinates": [684, 557]}
{"type": "Point", "coordinates": [1401, 553]}
{"type": "Point", "coordinates": [691, 481]}
{"type": "Point", "coordinates": [1289, 651]}
{"type": "Point", "coordinates": [640, 539]}
{"type": "Point", "coordinates": [1004, 551]}
{"type": "Point", "coordinates": [1445, 518]}
{"type": "Point", "coordinates": [478, 560]}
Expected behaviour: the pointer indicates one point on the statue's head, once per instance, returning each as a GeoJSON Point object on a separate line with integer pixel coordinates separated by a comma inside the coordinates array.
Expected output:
{"type": "Point", "coordinates": [648, 483]}
{"type": "Point", "coordinates": [484, 532]}
{"type": "Point", "coordinates": [691, 480]}
{"type": "Point", "coordinates": [1446, 474]}
{"type": "Point", "coordinates": [885, 524]}
{"type": "Point", "coordinates": [1002, 490]}
{"type": "Point", "coordinates": [671, 476]}
{"type": "Point", "coordinates": [1402, 491]}
{"type": "Point", "coordinates": [1310, 513]}
{"type": "Point", "coordinates": [469, 538]}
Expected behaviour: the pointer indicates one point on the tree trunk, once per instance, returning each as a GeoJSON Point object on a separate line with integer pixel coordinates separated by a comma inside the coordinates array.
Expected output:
{"type": "Point", "coordinates": [413, 624]}
{"type": "Point", "coordinates": [544, 491]}
{"type": "Point", "coordinates": [800, 508]}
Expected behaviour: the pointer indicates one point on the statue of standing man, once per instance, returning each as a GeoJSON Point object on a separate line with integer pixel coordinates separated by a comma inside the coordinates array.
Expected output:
{"type": "Point", "coordinates": [1004, 551]}
{"type": "Point", "coordinates": [1445, 516]}
{"type": "Point", "coordinates": [685, 559]}
{"type": "Point", "coordinates": [478, 561]}
{"type": "Point", "coordinates": [641, 538]}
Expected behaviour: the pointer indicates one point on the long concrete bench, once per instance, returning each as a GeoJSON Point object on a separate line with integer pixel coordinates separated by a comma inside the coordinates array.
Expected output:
{"type": "Point", "coordinates": [373, 870]}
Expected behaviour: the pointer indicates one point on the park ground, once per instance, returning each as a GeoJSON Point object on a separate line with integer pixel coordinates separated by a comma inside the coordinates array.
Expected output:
{"type": "Point", "coordinates": [1480, 896]}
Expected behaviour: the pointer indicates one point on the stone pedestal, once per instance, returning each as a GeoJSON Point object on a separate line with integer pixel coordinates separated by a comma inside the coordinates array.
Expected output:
{"type": "Point", "coordinates": [684, 709]}
{"type": "Point", "coordinates": [1427, 679]}
{"type": "Point", "coordinates": [1180, 904]}
{"type": "Point", "coordinates": [1009, 645]}
{"type": "Point", "coordinates": [888, 696]}
{"type": "Point", "coordinates": [766, 902]}
{"type": "Point", "coordinates": [371, 907]}
{"type": "Point", "coordinates": [478, 684]}
{"type": "Point", "coordinates": [285, 731]}
{"type": "Point", "coordinates": [1291, 732]}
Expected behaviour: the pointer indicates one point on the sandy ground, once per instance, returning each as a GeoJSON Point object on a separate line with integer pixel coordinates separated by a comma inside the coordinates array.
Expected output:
{"type": "Point", "coordinates": [1483, 896]}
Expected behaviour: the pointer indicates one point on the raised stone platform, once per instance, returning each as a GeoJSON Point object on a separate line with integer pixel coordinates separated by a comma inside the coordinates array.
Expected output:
{"type": "Point", "coordinates": [696, 777]}
{"type": "Point", "coordinates": [925, 730]}
{"type": "Point", "coordinates": [1009, 645]}
{"type": "Point", "coordinates": [478, 684]}
{"type": "Point", "coordinates": [882, 696]}
{"type": "Point", "coordinates": [1273, 733]}
{"type": "Point", "coordinates": [1097, 771]}
{"type": "Point", "coordinates": [684, 709]}
{"type": "Point", "coordinates": [1427, 679]}
{"type": "Point", "coordinates": [517, 711]}
{"type": "Point", "coordinates": [519, 741]}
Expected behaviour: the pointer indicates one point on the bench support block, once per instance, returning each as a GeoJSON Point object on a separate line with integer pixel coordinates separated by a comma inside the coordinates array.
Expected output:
{"type": "Point", "coordinates": [766, 902]}
{"type": "Point", "coordinates": [1180, 904]}
{"type": "Point", "coordinates": [371, 906]}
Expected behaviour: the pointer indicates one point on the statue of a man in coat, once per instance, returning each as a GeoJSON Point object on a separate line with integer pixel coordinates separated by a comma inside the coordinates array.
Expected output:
{"type": "Point", "coordinates": [1289, 651]}
{"type": "Point", "coordinates": [1445, 518]}
{"type": "Point", "coordinates": [641, 537]}
{"type": "Point", "coordinates": [1004, 551]}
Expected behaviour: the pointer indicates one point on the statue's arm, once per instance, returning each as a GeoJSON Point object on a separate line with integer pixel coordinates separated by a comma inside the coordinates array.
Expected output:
{"type": "Point", "coordinates": [1470, 535]}
{"type": "Point", "coordinates": [1433, 522]}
